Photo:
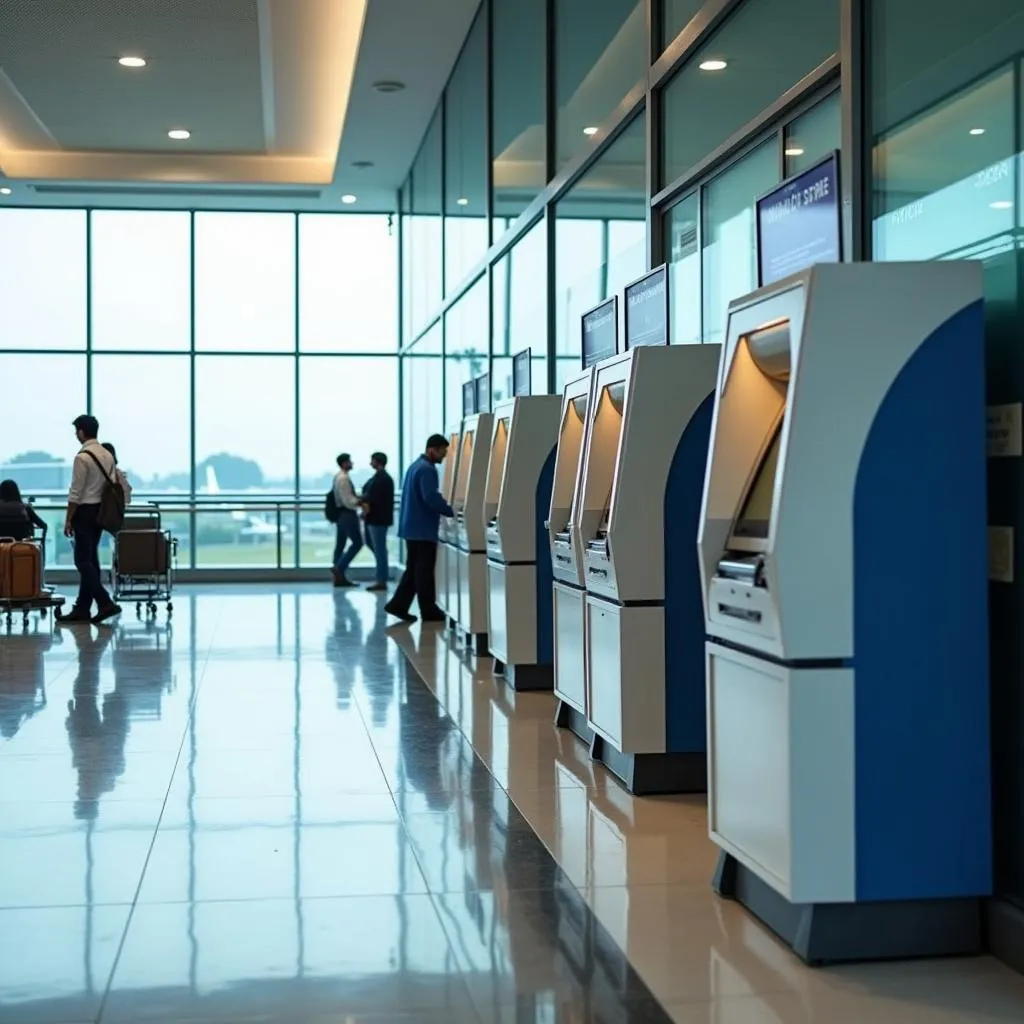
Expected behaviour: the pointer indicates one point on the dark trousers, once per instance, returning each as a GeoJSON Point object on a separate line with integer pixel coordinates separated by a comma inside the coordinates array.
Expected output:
{"type": "Point", "coordinates": [88, 535]}
{"type": "Point", "coordinates": [348, 533]}
{"type": "Point", "coordinates": [417, 580]}
{"type": "Point", "coordinates": [377, 542]}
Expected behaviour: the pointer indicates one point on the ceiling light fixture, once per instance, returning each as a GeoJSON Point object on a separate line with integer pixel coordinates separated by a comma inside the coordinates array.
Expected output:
{"type": "Point", "coordinates": [713, 65]}
{"type": "Point", "coordinates": [976, 131]}
{"type": "Point", "coordinates": [388, 85]}
{"type": "Point", "coordinates": [794, 151]}
{"type": "Point", "coordinates": [348, 199]}
{"type": "Point", "coordinates": [5, 191]}
{"type": "Point", "coordinates": [1001, 204]}
{"type": "Point", "coordinates": [462, 201]}
{"type": "Point", "coordinates": [132, 62]}
{"type": "Point", "coordinates": [591, 130]}
{"type": "Point", "coordinates": [179, 134]}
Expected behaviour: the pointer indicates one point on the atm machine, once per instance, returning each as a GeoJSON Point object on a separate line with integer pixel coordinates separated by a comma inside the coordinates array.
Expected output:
{"type": "Point", "coordinates": [518, 498]}
{"type": "Point", "coordinates": [637, 516]}
{"type": "Point", "coordinates": [468, 568]}
{"type": "Point", "coordinates": [844, 568]}
{"type": "Point", "coordinates": [569, 587]}
{"type": "Point", "coordinates": [445, 569]}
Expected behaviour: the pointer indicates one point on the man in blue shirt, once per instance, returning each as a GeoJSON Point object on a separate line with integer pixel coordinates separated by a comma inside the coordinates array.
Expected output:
{"type": "Point", "coordinates": [418, 523]}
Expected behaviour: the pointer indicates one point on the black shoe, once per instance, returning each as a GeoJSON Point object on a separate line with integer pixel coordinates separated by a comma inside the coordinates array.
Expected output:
{"type": "Point", "coordinates": [435, 617]}
{"type": "Point", "coordinates": [73, 616]}
{"type": "Point", "coordinates": [404, 616]}
{"type": "Point", "coordinates": [377, 588]}
{"type": "Point", "coordinates": [105, 613]}
{"type": "Point", "coordinates": [343, 581]}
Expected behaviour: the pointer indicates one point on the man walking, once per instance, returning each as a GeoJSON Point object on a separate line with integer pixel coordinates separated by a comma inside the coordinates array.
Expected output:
{"type": "Point", "coordinates": [349, 537]}
{"type": "Point", "coordinates": [418, 522]}
{"type": "Point", "coordinates": [91, 471]}
{"type": "Point", "coordinates": [378, 515]}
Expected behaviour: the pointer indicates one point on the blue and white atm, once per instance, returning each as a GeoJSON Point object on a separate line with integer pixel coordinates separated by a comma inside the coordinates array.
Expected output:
{"type": "Point", "coordinates": [843, 557]}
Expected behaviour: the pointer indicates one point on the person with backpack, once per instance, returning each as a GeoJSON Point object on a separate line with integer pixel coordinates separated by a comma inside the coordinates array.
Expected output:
{"type": "Point", "coordinates": [120, 474]}
{"type": "Point", "coordinates": [349, 536]}
{"type": "Point", "coordinates": [92, 507]}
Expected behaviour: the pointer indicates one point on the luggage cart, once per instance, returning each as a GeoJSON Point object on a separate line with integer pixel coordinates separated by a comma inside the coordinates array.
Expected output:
{"type": "Point", "coordinates": [144, 561]}
{"type": "Point", "coordinates": [42, 604]}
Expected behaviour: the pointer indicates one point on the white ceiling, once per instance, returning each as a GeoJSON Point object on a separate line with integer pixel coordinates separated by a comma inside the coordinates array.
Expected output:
{"type": "Point", "coordinates": [266, 87]}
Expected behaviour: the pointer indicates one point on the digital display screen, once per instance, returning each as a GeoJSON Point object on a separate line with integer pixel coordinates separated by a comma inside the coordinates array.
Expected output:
{"type": "Point", "coordinates": [647, 309]}
{"type": "Point", "coordinates": [755, 516]}
{"type": "Point", "coordinates": [600, 332]}
{"type": "Point", "coordinates": [468, 398]}
{"type": "Point", "coordinates": [521, 373]}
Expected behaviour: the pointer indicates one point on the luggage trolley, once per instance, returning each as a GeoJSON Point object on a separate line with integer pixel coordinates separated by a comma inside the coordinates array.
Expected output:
{"type": "Point", "coordinates": [144, 560]}
{"type": "Point", "coordinates": [41, 603]}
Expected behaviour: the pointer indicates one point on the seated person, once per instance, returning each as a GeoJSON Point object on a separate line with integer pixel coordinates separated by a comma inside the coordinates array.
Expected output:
{"type": "Point", "coordinates": [17, 519]}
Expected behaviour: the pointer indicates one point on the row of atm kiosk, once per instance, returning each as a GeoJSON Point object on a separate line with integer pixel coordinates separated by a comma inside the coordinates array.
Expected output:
{"type": "Point", "coordinates": [759, 569]}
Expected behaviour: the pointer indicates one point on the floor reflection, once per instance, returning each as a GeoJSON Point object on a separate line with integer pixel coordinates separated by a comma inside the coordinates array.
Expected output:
{"type": "Point", "coordinates": [281, 810]}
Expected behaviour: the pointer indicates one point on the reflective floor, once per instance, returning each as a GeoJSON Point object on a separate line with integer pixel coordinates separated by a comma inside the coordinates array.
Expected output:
{"type": "Point", "coordinates": [279, 810]}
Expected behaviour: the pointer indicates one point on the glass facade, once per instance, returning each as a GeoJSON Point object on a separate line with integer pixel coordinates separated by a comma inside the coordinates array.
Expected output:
{"type": "Point", "coordinates": [229, 356]}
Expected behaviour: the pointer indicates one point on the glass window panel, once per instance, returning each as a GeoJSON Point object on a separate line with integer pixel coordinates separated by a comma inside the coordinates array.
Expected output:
{"type": "Point", "coordinates": [423, 402]}
{"type": "Point", "coordinates": [465, 168]}
{"type": "Point", "coordinates": [404, 197]}
{"type": "Point", "coordinates": [519, 283]}
{"type": "Point", "coordinates": [684, 271]}
{"type": "Point", "coordinates": [519, 135]}
{"type": "Point", "coordinates": [245, 281]}
{"type": "Point", "coordinates": [728, 255]}
{"type": "Point", "coordinates": [37, 442]}
{"type": "Point", "coordinates": [703, 108]}
{"type": "Point", "coordinates": [813, 135]}
{"type": "Point", "coordinates": [143, 403]}
{"type": "Point", "coordinates": [465, 345]}
{"type": "Point", "coordinates": [425, 236]}
{"type": "Point", "coordinates": [601, 53]}
{"type": "Point", "coordinates": [600, 241]}
{"type": "Point", "coordinates": [141, 280]}
{"type": "Point", "coordinates": [675, 16]}
{"type": "Point", "coordinates": [42, 279]}
{"type": "Point", "coordinates": [348, 297]}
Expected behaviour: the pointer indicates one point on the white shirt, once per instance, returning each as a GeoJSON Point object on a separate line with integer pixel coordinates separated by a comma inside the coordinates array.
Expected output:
{"type": "Point", "coordinates": [344, 492]}
{"type": "Point", "coordinates": [87, 479]}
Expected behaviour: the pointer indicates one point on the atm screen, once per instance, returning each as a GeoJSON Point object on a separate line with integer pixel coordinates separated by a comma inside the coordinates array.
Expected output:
{"type": "Point", "coordinates": [755, 516]}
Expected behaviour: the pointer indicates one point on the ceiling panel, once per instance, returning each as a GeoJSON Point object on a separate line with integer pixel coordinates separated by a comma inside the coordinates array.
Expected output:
{"type": "Point", "coordinates": [203, 74]}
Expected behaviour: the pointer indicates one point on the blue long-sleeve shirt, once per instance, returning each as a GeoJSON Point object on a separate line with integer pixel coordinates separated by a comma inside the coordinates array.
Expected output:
{"type": "Point", "coordinates": [422, 503]}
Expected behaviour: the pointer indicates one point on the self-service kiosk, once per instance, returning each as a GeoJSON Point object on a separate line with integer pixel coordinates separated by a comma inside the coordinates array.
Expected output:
{"type": "Point", "coordinates": [844, 567]}
{"type": "Point", "coordinates": [569, 592]}
{"type": "Point", "coordinates": [518, 498]}
{"type": "Point", "coordinates": [445, 569]}
{"type": "Point", "coordinates": [637, 516]}
{"type": "Point", "coordinates": [469, 578]}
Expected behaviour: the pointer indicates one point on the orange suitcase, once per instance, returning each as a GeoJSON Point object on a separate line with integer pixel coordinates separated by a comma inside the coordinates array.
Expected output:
{"type": "Point", "coordinates": [21, 570]}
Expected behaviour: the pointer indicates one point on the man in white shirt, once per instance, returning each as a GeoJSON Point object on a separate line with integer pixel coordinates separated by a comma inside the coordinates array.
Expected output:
{"type": "Point", "coordinates": [92, 469]}
{"type": "Point", "coordinates": [349, 537]}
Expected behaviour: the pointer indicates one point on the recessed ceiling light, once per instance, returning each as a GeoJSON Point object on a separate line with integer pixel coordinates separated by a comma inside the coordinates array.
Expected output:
{"type": "Point", "coordinates": [132, 62]}
{"type": "Point", "coordinates": [462, 201]}
{"type": "Point", "coordinates": [5, 191]}
{"type": "Point", "coordinates": [1001, 204]}
{"type": "Point", "coordinates": [348, 199]}
{"type": "Point", "coordinates": [179, 134]}
{"type": "Point", "coordinates": [713, 65]}
{"type": "Point", "coordinates": [388, 86]}
{"type": "Point", "coordinates": [977, 131]}
{"type": "Point", "coordinates": [591, 130]}
{"type": "Point", "coordinates": [794, 151]}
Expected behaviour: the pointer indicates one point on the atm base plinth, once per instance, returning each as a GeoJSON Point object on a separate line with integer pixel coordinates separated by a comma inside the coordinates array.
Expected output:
{"type": "Point", "coordinates": [475, 643]}
{"type": "Point", "coordinates": [530, 678]}
{"type": "Point", "coordinates": [568, 717]}
{"type": "Point", "coordinates": [498, 667]}
{"type": "Point", "coordinates": [834, 933]}
{"type": "Point", "coordinates": [653, 774]}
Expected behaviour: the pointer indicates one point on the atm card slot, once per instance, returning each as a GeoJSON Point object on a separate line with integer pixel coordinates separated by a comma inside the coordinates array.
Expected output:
{"type": "Point", "coordinates": [744, 614]}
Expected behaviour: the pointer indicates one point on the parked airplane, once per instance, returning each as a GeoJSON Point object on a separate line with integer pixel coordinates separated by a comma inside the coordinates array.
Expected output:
{"type": "Point", "coordinates": [258, 526]}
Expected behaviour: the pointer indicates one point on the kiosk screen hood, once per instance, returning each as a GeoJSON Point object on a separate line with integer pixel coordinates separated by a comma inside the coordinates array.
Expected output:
{"type": "Point", "coordinates": [462, 471]}
{"type": "Point", "coordinates": [769, 347]}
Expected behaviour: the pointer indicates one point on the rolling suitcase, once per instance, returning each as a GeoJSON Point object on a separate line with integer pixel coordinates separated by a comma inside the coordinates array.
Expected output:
{"type": "Point", "coordinates": [21, 570]}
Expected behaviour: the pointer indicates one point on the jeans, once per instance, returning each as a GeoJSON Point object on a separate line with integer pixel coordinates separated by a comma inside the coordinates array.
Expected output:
{"type": "Point", "coordinates": [418, 580]}
{"type": "Point", "coordinates": [87, 559]}
{"type": "Point", "coordinates": [377, 542]}
{"type": "Point", "coordinates": [348, 534]}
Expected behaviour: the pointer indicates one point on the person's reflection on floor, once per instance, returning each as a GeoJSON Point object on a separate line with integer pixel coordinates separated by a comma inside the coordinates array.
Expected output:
{"type": "Point", "coordinates": [422, 730]}
{"type": "Point", "coordinates": [97, 737]}
{"type": "Point", "coordinates": [379, 668]}
{"type": "Point", "coordinates": [344, 637]}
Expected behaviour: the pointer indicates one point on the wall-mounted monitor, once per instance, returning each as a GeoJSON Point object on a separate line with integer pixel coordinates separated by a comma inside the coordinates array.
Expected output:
{"type": "Point", "coordinates": [600, 332]}
{"type": "Point", "coordinates": [646, 302]}
{"type": "Point", "coordinates": [483, 393]}
{"type": "Point", "coordinates": [521, 373]}
{"type": "Point", "coordinates": [798, 223]}
{"type": "Point", "coordinates": [468, 398]}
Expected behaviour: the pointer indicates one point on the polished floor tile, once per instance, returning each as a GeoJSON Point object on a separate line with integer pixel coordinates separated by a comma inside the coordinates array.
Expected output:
{"type": "Point", "coordinates": [276, 809]}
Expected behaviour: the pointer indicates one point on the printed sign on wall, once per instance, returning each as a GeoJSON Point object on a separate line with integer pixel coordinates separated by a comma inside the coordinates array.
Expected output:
{"type": "Point", "coordinates": [1003, 430]}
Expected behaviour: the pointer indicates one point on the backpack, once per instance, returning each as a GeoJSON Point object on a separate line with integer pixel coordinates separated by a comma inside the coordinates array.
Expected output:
{"type": "Point", "coordinates": [111, 514]}
{"type": "Point", "coordinates": [331, 511]}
